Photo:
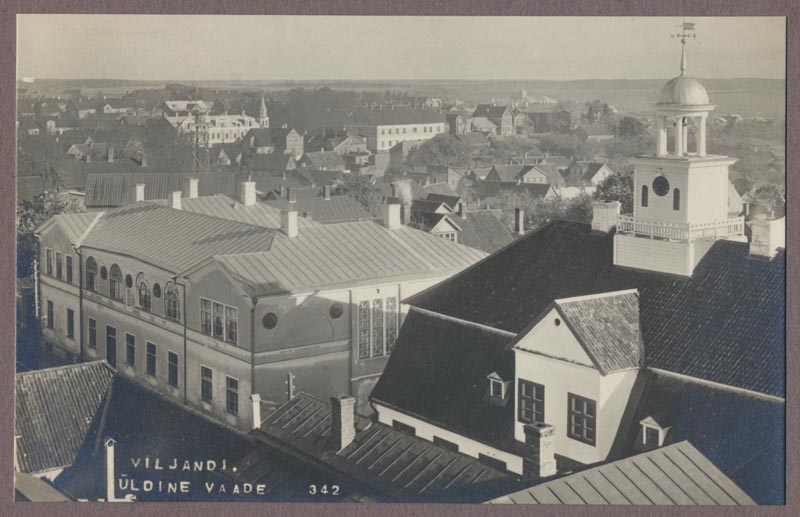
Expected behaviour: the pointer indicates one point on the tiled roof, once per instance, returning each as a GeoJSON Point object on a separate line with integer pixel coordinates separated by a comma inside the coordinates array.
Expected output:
{"type": "Point", "coordinates": [483, 124]}
{"type": "Point", "coordinates": [325, 160]}
{"type": "Point", "coordinates": [272, 162]}
{"type": "Point", "coordinates": [489, 111]}
{"type": "Point", "coordinates": [337, 209]}
{"type": "Point", "coordinates": [449, 362]}
{"type": "Point", "coordinates": [482, 230]}
{"type": "Point", "coordinates": [511, 173]}
{"type": "Point", "coordinates": [388, 116]}
{"type": "Point", "coordinates": [395, 464]}
{"type": "Point", "coordinates": [224, 207]}
{"type": "Point", "coordinates": [741, 434]}
{"type": "Point", "coordinates": [337, 254]}
{"type": "Point", "coordinates": [113, 190]}
{"type": "Point", "coordinates": [174, 239]}
{"type": "Point", "coordinates": [268, 181]}
{"type": "Point", "coordinates": [673, 475]}
{"type": "Point", "coordinates": [607, 326]}
{"type": "Point", "coordinates": [54, 410]}
{"type": "Point", "coordinates": [486, 189]}
{"type": "Point", "coordinates": [724, 324]}
{"type": "Point", "coordinates": [75, 225]}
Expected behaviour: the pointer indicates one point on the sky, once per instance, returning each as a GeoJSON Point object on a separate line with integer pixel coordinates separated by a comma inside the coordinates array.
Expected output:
{"type": "Point", "coordinates": [294, 48]}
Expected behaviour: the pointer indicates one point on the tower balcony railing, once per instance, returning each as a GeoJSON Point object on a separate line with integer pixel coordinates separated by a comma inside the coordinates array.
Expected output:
{"type": "Point", "coordinates": [683, 232]}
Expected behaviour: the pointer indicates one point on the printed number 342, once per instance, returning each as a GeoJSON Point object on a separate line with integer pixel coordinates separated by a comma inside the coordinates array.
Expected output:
{"type": "Point", "coordinates": [323, 489]}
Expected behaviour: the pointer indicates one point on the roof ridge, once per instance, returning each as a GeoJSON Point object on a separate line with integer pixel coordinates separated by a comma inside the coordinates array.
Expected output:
{"type": "Point", "coordinates": [594, 296]}
{"type": "Point", "coordinates": [74, 366]}
{"type": "Point", "coordinates": [201, 214]}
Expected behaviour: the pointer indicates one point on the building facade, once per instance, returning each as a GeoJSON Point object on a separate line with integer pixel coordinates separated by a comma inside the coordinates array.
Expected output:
{"type": "Point", "coordinates": [385, 127]}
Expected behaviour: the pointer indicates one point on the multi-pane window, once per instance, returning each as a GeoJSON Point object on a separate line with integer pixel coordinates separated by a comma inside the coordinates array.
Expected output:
{"type": "Point", "coordinates": [144, 293]}
{"type": "Point", "coordinates": [172, 369]}
{"type": "Point", "coordinates": [59, 265]}
{"type": "Point", "coordinates": [130, 350]}
{"type": "Point", "coordinates": [115, 283]}
{"type": "Point", "coordinates": [91, 274]}
{"type": "Point", "coordinates": [581, 419]}
{"type": "Point", "coordinates": [70, 324]}
{"type": "Point", "coordinates": [111, 345]}
{"type": "Point", "coordinates": [92, 333]}
{"type": "Point", "coordinates": [48, 262]}
{"type": "Point", "coordinates": [172, 302]}
{"type": "Point", "coordinates": [377, 327]}
{"type": "Point", "coordinates": [50, 314]}
{"type": "Point", "coordinates": [530, 402]}
{"type": "Point", "coordinates": [218, 323]}
{"type": "Point", "coordinates": [232, 395]}
{"type": "Point", "coordinates": [231, 324]}
{"type": "Point", "coordinates": [450, 236]}
{"type": "Point", "coordinates": [151, 359]}
{"type": "Point", "coordinates": [205, 316]}
{"type": "Point", "coordinates": [69, 269]}
{"type": "Point", "coordinates": [206, 384]}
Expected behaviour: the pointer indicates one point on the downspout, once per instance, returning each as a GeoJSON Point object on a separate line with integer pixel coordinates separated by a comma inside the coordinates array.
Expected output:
{"type": "Point", "coordinates": [80, 300]}
{"type": "Point", "coordinates": [254, 300]}
{"type": "Point", "coordinates": [185, 345]}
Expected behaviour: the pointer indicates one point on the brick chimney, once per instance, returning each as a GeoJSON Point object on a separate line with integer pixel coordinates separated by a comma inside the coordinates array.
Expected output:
{"type": "Point", "coordinates": [391, 217]}
{"type": "Point", "coordinates": [605, 215]}
{"type": "Point", "coordinates": [189, 187]}
{"type": "Point", "coordinates": [767, 235]}
{"type": "Point", "coordinates": [255, 398]}
{"type": "Point", "coordinates": [175, 199]}
{"type": "Point", "coordinates": [326, 192]}
{"type": "Point", "coordinates": [138, 192]}
{"type": "Point", "coordinates": [291, 195]}
{"type": "Point", "coordinates": [539, 439]}
{"type": "Point", "coordinates": [247, 193]}
{"type": "Point", "coordinates": [519, 221]}
{"type": "Point", "coordinates": [405, 213]}
{"type": "Point", "coordinates": [343, 421]}
{"type": "Point", "coordinates": [110, 444]}
{"type": "Point", "coordinates": [289, 222]}
{"type": "Point", "coordinates": [461, 211]}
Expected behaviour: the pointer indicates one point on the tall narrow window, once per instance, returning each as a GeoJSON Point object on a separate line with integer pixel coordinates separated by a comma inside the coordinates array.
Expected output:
{"type": "Point", "coordinates": [676, 199]}
{"type": "Point", "coordinates": [391, 323]}
{"type": "Point", "coordinates": [92, 333]}
{"type": "Point", "coordinates": [644, 195]}
{"type": "Point", "coordinates": [205, 316]}
{"type": "Point", "coordinates": [232, 395]}
{"type": "Point", "coordinates": [69, 269]}
{"type": "Point", "coordinates": [130, 350]}
{"type": "Point", "coordinates": [48, 262]}
{"type": "Point", "coordinates": [59, 265]}
{"type": "Point", "coordinates": [144, 292]}
{"type": "Point", "coordinates": [581, 419]}
{"type": "Point", "coordinates": [115, 283]}
{"type": "Point", "coordinates": [206, 384]}
{"type": "Point", "coordinates": [218, 324]}
{"type": "Point", "coordinates": [70, 324]}
{"type": "Point", "coordinates": [171, 302]}
{"type": "Point", "coordinates": [530, 402]}
{"type": "Point", "coordinates": [231, 325]}
{"type": "Point", "coordinates": [172, 377]}
{"type": "Point", "coordinates": [151, 359]}
{"type": "Point", "coordinates": [50, 314]}
{"type": "Point", "coordinates": [377, 327]}
{"type": "Point", "coordinates": [111, 345]}
{"type": "Point", "coordinates": [91, 274]}
{"type": "Point", "coordinates": [363, 329]}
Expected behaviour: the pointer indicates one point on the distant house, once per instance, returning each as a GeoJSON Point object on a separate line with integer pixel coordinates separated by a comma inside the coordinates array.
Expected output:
{"type": "Point", "coordinates": [118, 106]}
{"type": "Point", "coordinates": [487, 189]}
{"type": "Point", "coordinates": [484, 126]}
{"type": "Point", "coordinates": [385, 127]}
{"type": "Point", "coordinates": [522, 123]}
{"type": "Point", "coordinates": [595, 132]}
{"type": "Point", "coordinates": [324, 161]}
{"type": "Point", "coordinates": [542, 173]}
{"type": "Point", "coordinates": [500, 116]}
{"type": "Point", "coordinates": [273, 162]}
{"type": "Point", "coordinates": [275, 140]}
{"type": "Point", "coordinates": [183, 108]}
{"type": "Point", "coordinates": [587, 174]}
{"type": "Point", "coordinates": [459, 121]}
{"type": "Point", "coordinates": [546, 121]}
{"type": "Point", "coordinates": [320, 206]}
{"type": "Point", "coordinates": [342, 144]}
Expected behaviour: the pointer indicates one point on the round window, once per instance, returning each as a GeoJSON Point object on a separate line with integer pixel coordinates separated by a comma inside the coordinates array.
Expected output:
{"type": "Point", "coordinates": [270, 320]}
{"type": "Point", "coordinates": [128, 281]}
{"type": "Point", "coordinates": [103, 273]}
{"type": "Point", "coordinates": [558, 322]}
{"type": "Point", "coordinates": [661, 186]}
{"type": "Point", "coordinates": [336, 311]}
{"type": "Point", "coordinates": [157, 290]}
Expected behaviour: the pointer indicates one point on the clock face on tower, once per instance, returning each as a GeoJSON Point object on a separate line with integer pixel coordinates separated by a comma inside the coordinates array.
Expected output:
{"type": "Point", "coordinates": [661, 186]}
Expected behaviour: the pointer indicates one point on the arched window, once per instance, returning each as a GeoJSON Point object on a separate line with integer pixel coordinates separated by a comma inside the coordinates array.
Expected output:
{"type": "Point", "coordinates": [676, 199]}
{"type": "Point", "coordinates": [644, 195]}
{"type": "Point", "coordinates": [115, 283]}
{"type": "Point", "coordinates": [91, 274]}
{"type": "Point", "coordinates": [144, 292]}
{"type": "Point", "coordinates": [172, 302]}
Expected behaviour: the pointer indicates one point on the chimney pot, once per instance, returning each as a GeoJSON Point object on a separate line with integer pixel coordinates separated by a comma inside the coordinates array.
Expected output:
{"type": "Point", "coordinates": [391, 216]}
{"type": "Point", "coordinates": [176, 200]}
{"type": "Point", "coordinates": [519, 221]}
{"type": "Point", "coordinates": [289, 223]}
{"type": "Point", "coordinates": [110, 154]}
{"type": "Point", "coordinates": [539, 437]}
{"type": "Point", "coordinates": [189, 187]}
{"type": "Point", "coordinates": [139, 192]}
{"type": "Point", "coordinates": [247, 193]}
{"type": "Point", "coordinates": [406, 213]}
{"type": "Point", "coordinates": [605, 215]}
{"type": "Point", "coordinates": [343, 421]}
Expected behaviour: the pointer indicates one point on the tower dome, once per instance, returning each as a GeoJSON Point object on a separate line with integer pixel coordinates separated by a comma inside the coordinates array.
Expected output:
{"type": "Point", "coordinates": [683, 91]}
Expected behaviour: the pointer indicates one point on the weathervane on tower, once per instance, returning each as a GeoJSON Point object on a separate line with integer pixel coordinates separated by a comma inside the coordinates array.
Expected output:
{"type": "Point", "coordinates": [685, 27]}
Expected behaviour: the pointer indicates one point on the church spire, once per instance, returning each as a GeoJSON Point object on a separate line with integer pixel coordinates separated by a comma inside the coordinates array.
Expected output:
{"type": "Point", "coordinates": [263, 117]}
{"type": "Point", "coordinates": [685, 28]}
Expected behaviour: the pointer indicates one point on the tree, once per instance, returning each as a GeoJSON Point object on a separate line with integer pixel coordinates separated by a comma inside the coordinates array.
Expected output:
{"type": "Point", "coordinates": [440, 150]}
{"type": "Point", "coordinates": [363, 189]}
{"type": "Point", "coordinates": [630, 127]}
{"type": "Point", "coordinates": [30, 215]}
{"type": "Point", "coordinates": [617, 187]}
{"type": "Point", "coordinates": [538, 211]}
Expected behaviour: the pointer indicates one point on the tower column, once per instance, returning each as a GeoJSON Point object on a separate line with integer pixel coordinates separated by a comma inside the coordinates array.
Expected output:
{"type": "Point", "coordinates": [661, 136]}
{"type": "Point", "coordinates": [679, 136]}
{"type": "Point", "coordinates": [701, 135]}
{"type": "Point", "coordinates": [685, 126]}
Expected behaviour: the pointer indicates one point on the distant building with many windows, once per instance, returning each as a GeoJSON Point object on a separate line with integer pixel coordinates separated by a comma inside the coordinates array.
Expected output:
{"type": "Point", "coordinates": [385, 127]}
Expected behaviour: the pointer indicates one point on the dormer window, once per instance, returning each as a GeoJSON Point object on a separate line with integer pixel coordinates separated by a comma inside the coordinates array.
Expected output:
{"type": "Point", "coordinates": [498, 389]}
{"type": "Point", "coordinates": [653, 433]}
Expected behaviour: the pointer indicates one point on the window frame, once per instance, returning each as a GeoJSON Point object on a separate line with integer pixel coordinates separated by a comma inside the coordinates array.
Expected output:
{"type": "Point", "coordinates": [173, 368]}
{"type": "Point", "coordinates": [585, 416]}
{"type": "Point", "coordinates": [116, 281]}
{"type": "Point", "coordinates": [59, 265]}
{"type": "Point", "coordinates": [386, 331]}
{"type": "Point", "coordinates": [206, 381]}
{"type": "Point", "coordinates": [68, 266]}
{"type": "Point", "coordinates": [130, 350]}
{"type": "Point", "coordinates": [231, 395]}
{"type": "Point", "coordinates": [151, 353]}
{"type": "Point", "coordinates": [109, 340]}
{"type": "Point", "coordinates": [92, 271]}
{"type": "Point", "coordinates": [171, 297]}
{"type": "Point", "coordinates": [92, 333]}
{"type": "Point", "coordinates": [51, 314]}
{"type": "Point", "coordinates": [144, 299]}
{"type": "Point", "coordinates": [206, 324]}
{"type": "Point", "coordinates": [537, 404]}
{"type": "Point", "coordinates": [644, 196]}
{"type": "Point", "coordinates": [48, 264]}
{"type": "Point", "coordinates": [70, 324]}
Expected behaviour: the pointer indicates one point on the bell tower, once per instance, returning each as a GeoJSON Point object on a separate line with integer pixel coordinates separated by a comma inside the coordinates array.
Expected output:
{"type": "Point", "coordinates": [263, 117]}
{"type": "Point", "coordinates": [680, 198]}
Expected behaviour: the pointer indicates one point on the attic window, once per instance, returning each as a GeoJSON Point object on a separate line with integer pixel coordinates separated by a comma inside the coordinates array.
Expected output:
{"type": "Point", "coordinates": [498, 388]}
{"type": "Point", "coordinates": [557, 322]}
{"type": "Point", "coordinates": [653, 434]}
